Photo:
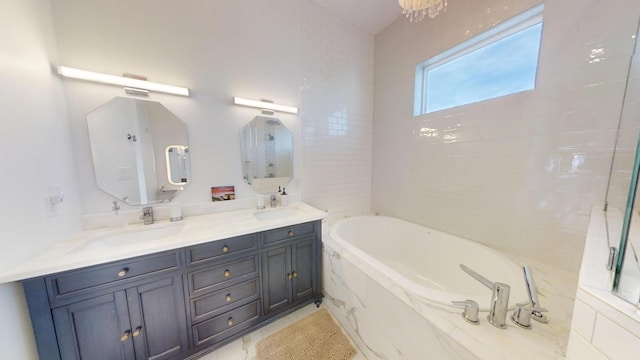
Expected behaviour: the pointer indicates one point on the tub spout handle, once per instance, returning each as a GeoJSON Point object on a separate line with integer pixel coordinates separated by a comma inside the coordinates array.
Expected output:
{"type": "Point", "coordinates": [470, 313]}
{"type": "Point", "coordinates": [499, 298]}
{"type": "Point", "coordinates": [483, 280]}
{"type": "Point", "coordinates": [522, 315]}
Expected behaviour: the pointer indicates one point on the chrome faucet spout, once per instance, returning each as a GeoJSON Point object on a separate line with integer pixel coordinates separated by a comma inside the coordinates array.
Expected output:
{"type": "Point", "coordinates": [499, 298]}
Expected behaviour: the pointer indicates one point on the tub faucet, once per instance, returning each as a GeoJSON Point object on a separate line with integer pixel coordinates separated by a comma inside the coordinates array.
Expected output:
{"type": "Point", "coordinates": [499, 298]}
{"type": "Point", "coordinates": [147, 215]}
{"type": "Point", "coordinates": [536, 310]}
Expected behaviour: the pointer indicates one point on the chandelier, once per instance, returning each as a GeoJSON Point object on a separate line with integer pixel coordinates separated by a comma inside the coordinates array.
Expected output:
{"type": "Point", "coordinates": [415, 10]}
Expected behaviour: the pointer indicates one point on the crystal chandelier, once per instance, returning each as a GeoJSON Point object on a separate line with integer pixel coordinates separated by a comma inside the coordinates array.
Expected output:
{"type": "Point", "coordinates": [415, 10]}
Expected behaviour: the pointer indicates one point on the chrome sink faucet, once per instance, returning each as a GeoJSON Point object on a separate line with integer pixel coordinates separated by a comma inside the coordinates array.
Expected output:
{"type": "Point", "coordinates": [147, 215]}
{"type": "Point", "coordinates": [499, 298]}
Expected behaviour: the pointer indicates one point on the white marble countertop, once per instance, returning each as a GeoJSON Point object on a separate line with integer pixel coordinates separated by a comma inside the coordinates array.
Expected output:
{"type": "Point", "coordinates": [95, 247]}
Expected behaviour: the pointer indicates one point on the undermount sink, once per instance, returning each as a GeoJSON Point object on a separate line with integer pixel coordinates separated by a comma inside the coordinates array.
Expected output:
{"type": "Point", "coordinates": [276, 213]}
{"type": "Point", "coordinates": [139, 235]}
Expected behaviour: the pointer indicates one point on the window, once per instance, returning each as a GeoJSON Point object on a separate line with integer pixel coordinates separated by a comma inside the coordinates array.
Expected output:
{"type": "Point", "coordinates": [498, 62]}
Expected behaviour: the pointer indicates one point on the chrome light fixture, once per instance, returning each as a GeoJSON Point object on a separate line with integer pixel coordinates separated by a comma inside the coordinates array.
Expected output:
{"type": "Point", "coordinates": [126, 82]}
{"type": "Point", "coordinates": [262, 104]}
{"type": "Point", "coordinates": [415, 10]}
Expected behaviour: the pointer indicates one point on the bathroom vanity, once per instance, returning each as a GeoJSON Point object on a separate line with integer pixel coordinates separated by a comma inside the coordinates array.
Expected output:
{"type": "Point", "coordinates": [183, 301]}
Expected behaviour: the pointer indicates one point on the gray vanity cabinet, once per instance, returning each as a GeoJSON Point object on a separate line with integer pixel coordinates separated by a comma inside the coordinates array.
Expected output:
{"type": "Point", "coordinates": [130, 309]}
{"type": "Point", "coordinates": [290, 265]}
{"type": "Point", "coordinates": [176, 304]}
{"type": "Point", "coordinates": [115, 326]}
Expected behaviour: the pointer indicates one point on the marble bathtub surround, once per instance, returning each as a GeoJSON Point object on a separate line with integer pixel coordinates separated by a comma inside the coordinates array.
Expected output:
{"type": "Point", "coordinates": [387, 321]}
{"type": "Point", "coordinates": [99, 246]}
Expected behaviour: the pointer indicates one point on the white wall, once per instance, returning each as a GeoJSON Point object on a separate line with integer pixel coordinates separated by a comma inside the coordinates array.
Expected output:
{"type": "Point", "coordinates": [37, 156]}
{"type": "Point", "coordinates": [522, 171]}
{"type": "Point", "coordinates": [288, 51]}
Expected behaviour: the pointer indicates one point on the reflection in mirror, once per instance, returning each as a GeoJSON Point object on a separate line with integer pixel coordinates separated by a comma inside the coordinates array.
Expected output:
{"type": "Point", "coordinates": [267, 154]}
{"type": "Point", "coordinates": [177, 163]}
{"type": "Point", "coordinates": [130, 142]}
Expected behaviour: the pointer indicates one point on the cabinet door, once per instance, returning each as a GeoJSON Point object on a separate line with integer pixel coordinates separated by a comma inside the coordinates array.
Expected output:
{"type": "Point", "coordinates": [158, 318]}
{"type": "Point", "coordinates": [95, 329]}
{"type": "Point", "coordinates": [303, 269]}
{"type": "Point", "coordinates": [276, 279]}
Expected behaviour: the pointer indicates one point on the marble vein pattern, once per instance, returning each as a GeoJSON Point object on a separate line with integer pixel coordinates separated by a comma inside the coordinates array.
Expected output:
{"type": "Point", "coordinates": [387, 321]}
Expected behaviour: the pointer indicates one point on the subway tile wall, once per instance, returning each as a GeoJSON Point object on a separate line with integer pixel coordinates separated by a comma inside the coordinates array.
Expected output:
{"type": "Point", "coordinates": [521, 172]}
{"type": "Point", "coordinates": [336, 112]}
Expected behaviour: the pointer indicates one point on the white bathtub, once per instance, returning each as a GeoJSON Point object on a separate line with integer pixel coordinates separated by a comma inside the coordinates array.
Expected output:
{"type": "Point", "coordinates": [390, 284]}
{"type": "Point", "coordinates": [426, 262]}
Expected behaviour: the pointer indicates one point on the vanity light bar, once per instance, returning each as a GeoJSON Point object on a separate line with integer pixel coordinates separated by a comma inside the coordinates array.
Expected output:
{"type": "Point", "coordinates": [121, 81]}
{"type": "Point", "coordinates": [265, 105]}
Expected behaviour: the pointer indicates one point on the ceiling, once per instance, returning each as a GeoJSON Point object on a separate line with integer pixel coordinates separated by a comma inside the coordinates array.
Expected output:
{"type": "Point", "coordinates": [371, 16]}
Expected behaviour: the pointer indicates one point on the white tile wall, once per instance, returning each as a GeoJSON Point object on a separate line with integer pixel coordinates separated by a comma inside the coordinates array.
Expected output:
{"type": "Point", "coordinates": [520, 172]}
{"type": "Point", "coordinates": [336, 112]}
{"type": "Point", "coordinates": [604, 326]}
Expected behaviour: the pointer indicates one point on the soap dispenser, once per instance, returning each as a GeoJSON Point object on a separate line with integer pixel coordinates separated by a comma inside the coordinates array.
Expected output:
{"type": "Point", "coordinates": [284, 198]}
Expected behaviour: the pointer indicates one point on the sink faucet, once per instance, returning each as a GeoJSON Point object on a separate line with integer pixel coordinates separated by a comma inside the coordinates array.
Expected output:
{"type": "Point", "coordinates": [499, 298]}
{"type": "Point", "coordinates": [147, 215]}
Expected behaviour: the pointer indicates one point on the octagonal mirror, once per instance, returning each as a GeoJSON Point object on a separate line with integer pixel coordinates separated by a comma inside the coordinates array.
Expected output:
{"type": "Point", "coordinates": [140, 151]}
{"type": "Point", "coordinates": [267, 154]}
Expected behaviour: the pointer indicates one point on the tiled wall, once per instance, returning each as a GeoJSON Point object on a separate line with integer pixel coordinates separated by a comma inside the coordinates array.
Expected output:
{"type": "Point", "coordinates": [519, 172]}
{"type": "Point", "coordinates": [292, 52]}
{"type": "Point", "coordinates": [604, 326]}
{"type": "Point", "coordinates": [336, 112]}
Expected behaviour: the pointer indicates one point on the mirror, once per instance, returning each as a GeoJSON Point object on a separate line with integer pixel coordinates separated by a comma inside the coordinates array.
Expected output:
{"type": "Point", "coordinates": [623, 209]}
{"type": "Point", "coordinates": [140, 151]}
{"type": "Point", "coordinates": [267, 154]}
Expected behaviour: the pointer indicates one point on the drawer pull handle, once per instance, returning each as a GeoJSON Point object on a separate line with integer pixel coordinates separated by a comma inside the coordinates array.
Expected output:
{"type": "Point", "coordinates": [227, 273]}
{"type": "Point", "coordinates": [123, 272]}
{"type": "Point", "coordinates": [230, 322]}
{"type": "Point", "coordinates": [136, 332]}
{"type": "Point", "coordinates": [295, 274]}
{"type": "Point", "coordinates": [225, 249]}
{"type": "Point", "coordinates": [290, 233]}
{"type": "Point", "coordinates": [125, 336]}
{"type": "Point", "coordinates": [289, 276]}
{"type": "Point", "coordinates": [228, 297]}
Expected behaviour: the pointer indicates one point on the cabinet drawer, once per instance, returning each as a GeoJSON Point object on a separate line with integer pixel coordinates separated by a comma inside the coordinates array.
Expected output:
{"type": "Point", "coordinates": [223, 300]}
{"type": "Point", "coordinates": [216, 277]}
{"type": "Point", "coordinates": [91, 277]}
{"type": "Point", "coordinates": [227, 324]}
{"type": "Point", "coordinates": [221, 248]}
{"type": "Point", "coordinates": [286, 233]}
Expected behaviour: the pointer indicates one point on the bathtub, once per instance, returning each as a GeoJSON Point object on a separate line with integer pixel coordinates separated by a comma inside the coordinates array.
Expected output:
{"type": "Point", "coordinates": [390, 284]}
{"type": "Point", "coordinates": [426, 262]}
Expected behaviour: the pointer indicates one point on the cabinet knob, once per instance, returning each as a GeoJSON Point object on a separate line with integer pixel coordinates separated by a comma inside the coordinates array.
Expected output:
{"type": "Point", "coordinates": [225, 249]}
{"type": "Point", "coordinates": [136, 332]}
{"type": "Point", "coordinates": [290, 233]}
{"type": "Point", "coordinates": [295, 274]}
{"type": "Point", "coordinates": [125, 336]}
{"type": "Point", "coordinates": [227, 273]}
{"type": "Point", "coordinates": [123, 272]}
{"type": "Point", "coordinates": [230, 322]}
{"type": "Point", "coordinates": [228, 297]}
{"type": "Point", "coordinates": [289, 276]}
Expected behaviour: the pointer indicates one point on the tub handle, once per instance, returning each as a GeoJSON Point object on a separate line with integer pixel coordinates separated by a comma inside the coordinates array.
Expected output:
{"type": "Point", "coordinates": [470, 313]}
